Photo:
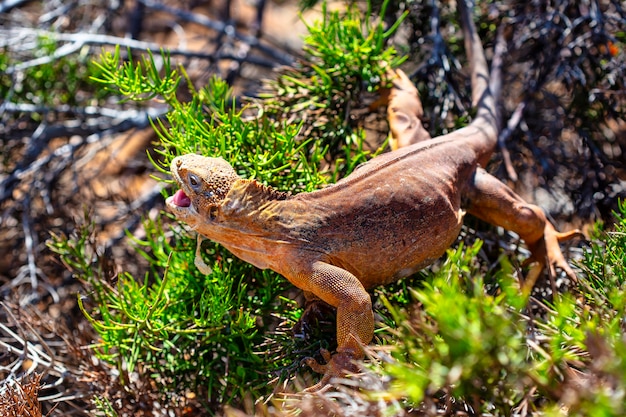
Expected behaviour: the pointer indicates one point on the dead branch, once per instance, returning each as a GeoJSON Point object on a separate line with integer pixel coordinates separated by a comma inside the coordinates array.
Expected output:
{"type": "Point", "coordinates": [252, 41]}
{"type": "Point", "coordinates": [78, 40]}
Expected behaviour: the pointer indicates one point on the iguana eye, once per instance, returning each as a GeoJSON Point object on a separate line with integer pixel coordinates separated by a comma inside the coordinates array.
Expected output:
{"type": "Point", "coordinates": [194, 181]}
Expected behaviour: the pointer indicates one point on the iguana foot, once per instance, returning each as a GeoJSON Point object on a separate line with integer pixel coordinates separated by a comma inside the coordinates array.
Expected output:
{"type": "Point", "coordinates": [492, 201]}
{"type": "Point", "coordinates": [338, 365]}
{"type": "Point", "coordinates": [547, 253]}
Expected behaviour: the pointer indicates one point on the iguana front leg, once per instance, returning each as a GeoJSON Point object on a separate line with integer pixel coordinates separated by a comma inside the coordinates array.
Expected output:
{"type": "Point", "coordinates": [355, 318]}
{"type": "Point", "coordinates": [490, 200]}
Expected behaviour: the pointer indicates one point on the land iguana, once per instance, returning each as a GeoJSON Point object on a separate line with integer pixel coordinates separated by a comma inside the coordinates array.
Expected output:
{"type": "Point", "coordinates": [391, 217]}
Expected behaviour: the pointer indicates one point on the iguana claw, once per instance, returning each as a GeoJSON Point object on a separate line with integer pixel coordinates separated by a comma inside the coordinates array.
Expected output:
{"type": "Point", "coordinates": [547, 253]}
{"type": "Point", "coordinates": [338, 365]}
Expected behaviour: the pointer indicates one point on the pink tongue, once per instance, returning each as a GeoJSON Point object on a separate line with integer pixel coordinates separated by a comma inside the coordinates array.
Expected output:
{"type": "Point", "coordinates": [181, 199]}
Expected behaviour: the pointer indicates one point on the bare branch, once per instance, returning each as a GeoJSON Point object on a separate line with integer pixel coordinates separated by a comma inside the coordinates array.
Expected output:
{"type": "Point", "coordinates": [254, 42]}
{"type": "Point", "coordinates": [506, 133]}
{"type": "Point", "coordinates": [79, 40]}
{"type": "Point", "coordinates": [7, 5]}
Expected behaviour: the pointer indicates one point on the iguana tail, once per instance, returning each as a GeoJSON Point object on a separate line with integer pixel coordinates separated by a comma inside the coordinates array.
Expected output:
{"type": "Point", "coordinates": [486, 87]}
{"type": "Point", "coordinates": [404, 110]}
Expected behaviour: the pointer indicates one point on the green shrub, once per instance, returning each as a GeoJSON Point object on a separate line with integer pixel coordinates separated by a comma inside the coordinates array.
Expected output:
{"type": "Point", "coordinates": [487, 352]}
{"type": "Point", "coordinates": [50, 84]}
{"type": "Point", "coordinates": [460, 339]}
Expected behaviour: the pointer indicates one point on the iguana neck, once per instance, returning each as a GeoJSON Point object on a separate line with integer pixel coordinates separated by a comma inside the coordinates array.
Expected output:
{"type": "Point", "coordinates": [250, 199]}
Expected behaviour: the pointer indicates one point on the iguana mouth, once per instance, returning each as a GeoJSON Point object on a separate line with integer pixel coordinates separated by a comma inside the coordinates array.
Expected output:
{"type": "Point", "coordinates": [180, 199]}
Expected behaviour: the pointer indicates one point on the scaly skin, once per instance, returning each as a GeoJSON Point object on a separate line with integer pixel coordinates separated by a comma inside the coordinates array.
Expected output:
{"type": "Point", "coordinates": [391, 217]}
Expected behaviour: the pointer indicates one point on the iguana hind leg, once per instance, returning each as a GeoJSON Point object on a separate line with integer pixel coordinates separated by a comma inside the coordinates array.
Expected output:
{"type": "Point", "coordinates": [404, 112]}
{"type": "Point", "coordinates": [491, 200]}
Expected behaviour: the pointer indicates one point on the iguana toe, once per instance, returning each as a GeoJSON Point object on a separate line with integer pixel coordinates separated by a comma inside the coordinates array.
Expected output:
{"type": "Point", "coordinates": [547, 253]}
{"type": "Point", "coordinates": [316, 366]}
{"type": "Point", "coordinates": [338, 365]}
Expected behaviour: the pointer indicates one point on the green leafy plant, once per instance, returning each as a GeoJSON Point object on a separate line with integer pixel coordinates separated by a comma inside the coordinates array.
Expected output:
{"type": "Point", "coordinates": [138, 81]}
{"type": "Point", "coordinates": [461, 340]}
{"type": "Point", "coordinates": [257, 147]}
{"type": "Point", "coordinates": [182, 327]}
{"type": "Point", "coordinates": [55, 82]}
{"type": "Point", "coordinates": [499, 352]}
{"type": "Point", "coordinates": [346, 56]}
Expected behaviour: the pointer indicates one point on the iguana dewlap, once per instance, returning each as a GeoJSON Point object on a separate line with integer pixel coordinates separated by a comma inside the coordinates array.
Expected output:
{"type": "Point", "coordinates": [391, 217]}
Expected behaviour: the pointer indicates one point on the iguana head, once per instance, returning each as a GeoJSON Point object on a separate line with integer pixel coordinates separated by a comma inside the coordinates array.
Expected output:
{"type": "Point", "coordinates": [204, 183]}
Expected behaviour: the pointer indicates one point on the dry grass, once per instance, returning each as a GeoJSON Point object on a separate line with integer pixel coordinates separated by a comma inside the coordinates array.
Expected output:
{"type": "Point", "coordinates": [20, 398]}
